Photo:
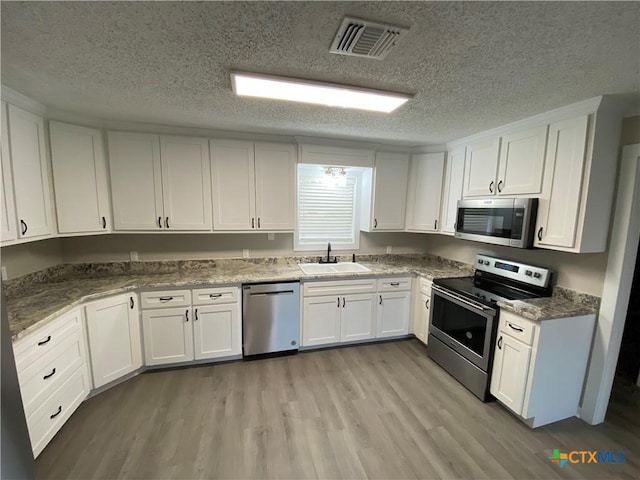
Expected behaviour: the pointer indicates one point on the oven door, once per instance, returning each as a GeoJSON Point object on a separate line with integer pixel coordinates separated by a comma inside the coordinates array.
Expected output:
{"type": "Point", "coordinates": [467, 327]}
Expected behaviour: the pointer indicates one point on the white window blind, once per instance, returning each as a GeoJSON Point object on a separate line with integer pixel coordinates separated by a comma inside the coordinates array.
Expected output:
{"type": "Point", "coordinates": [327, 210]}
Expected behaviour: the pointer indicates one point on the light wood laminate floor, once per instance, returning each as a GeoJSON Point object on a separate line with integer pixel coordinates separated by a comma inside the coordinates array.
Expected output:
{"type": "Point", "coordinates": [371, 411]}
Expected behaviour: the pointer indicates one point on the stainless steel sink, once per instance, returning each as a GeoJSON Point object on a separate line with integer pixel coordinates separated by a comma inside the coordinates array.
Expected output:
{"type": "Point", "coordinates": [329, 268]}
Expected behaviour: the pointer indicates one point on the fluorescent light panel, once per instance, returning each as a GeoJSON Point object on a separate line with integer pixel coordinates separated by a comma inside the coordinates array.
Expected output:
{"type": "Point", "coordinates": [318, 93]}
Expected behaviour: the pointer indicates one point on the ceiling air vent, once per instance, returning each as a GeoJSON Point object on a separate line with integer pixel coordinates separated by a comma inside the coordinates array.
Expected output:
{"type": "Point", "coordinates": [361, 38]}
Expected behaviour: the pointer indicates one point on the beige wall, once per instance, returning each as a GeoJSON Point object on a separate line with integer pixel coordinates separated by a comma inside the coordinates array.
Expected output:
{"type": "Point", "coordinates": [31, 257]}
{"type": "Point", "coordinates": [582, 272]}
{"type": "Point", "coordinates": [112, 248]}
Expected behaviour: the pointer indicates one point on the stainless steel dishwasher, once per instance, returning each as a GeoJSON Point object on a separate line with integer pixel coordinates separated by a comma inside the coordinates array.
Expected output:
{"type": "Point", "coordinates": [270, 317]}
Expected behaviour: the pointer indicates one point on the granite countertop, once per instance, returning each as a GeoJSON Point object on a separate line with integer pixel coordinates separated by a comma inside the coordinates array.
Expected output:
{"type": "Point", "coordinates": [35, 299]}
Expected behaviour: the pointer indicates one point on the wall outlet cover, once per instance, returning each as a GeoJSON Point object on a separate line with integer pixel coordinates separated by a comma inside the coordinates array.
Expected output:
{"type": "Point", "coordinates": [245, 253]}
{"type": "Point", "coordinates": [271, 236]}
{"type": "Point", "coordinates": [4, 273]}
{"type": "Point", "coordinates": [389, 248]}
{"type": "Point", "coordinates": [133, 255]}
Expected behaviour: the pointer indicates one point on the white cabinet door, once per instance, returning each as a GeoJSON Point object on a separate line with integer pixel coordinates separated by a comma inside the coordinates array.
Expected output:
{"type": "Point", "coordinates": [394, 312]}
{"type": "Point", "coordinates": [390, 191]}
{"type": "Point", "coordinates": [113, 328]}
{"type": "Point", "coordinates": [425, 189]}
{"type": "Point", "coordinates": [168, 335]}
{"type": "Point", "coordinates": [232, 179]}
{"type": "Point", "coordinates": [217, 331]}
{"type": "Point", "coordinates": [275, 180]}
{"type": "Point", "coordinates": [453, 180]}
{"type": "Point", "coordinates": [136, 181]}
{"type": "Point", "coordinates": [321, 320]}
{"type": "Point", "coordinates": [521, 162]}
{"type": "Point", "coordinates": [186, 183]}
{"type": "Point", "coordinates": [560, 201]}
{"type": "Point", "coordinates": [79, 179]}
{"type": "Point", "coordinates": [358, 317]}
{"type": "Point", "coordinates": [510, 370]}
{"type": "Point", "coordinates": [423, 307]}
{"type": "Point", "coordinates": [8, 230]}
{"type": "Point", "coordinates": [481, 168]}
{"type": "Point", "coordinates": [30, 175]}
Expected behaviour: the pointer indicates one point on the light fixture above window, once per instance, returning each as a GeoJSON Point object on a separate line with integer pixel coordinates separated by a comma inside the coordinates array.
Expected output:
{"type": "Point", "coordinates": [318, 93]}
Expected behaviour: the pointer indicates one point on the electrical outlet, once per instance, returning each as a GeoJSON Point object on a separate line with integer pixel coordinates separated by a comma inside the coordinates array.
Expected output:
{"type": "Point", "coordinates": [4, 273]}
{"type": "Point", "coordinates": [271, 236]}
{"type": "Point", "coordinates": [245, 253]}
{"type": "Point", "coordinates": [389, 248]}
{"type": "Point", "coordinates": [133, 255]}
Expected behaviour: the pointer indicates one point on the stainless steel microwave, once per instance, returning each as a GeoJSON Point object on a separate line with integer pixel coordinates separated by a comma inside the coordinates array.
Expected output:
{"type": "Point", "coordinates": [501, 221]}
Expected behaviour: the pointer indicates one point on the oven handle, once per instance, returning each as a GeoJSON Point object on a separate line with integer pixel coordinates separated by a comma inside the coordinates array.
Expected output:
{"type": "Point", "coordinates": [453, 296]}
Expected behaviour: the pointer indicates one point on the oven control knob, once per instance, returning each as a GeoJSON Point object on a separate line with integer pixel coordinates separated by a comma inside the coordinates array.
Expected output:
{"type": "Point", "coordinates": [480, 262]}
{"type": "Point", "coordinates": [536, 275]}
{"type": "Point", "coordinates": [528, 273]}
{"type": "Point", "coordinates": [486, 262]}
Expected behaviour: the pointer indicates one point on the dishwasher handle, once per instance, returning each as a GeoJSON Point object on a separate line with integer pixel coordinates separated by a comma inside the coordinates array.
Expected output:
{"type": "Point", "coordinates": [280, 292]}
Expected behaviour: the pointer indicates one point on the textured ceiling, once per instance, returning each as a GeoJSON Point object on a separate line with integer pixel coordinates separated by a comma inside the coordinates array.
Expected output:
{"type": "Point", "coordinates": [471, 66]}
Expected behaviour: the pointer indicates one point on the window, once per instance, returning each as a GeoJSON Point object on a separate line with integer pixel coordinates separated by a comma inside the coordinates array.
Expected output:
{"type": "Point", "coordinates": [327, 208]}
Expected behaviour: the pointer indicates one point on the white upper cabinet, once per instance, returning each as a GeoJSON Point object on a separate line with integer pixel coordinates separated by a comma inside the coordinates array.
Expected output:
{"type": "Point", "coordinates": [159, 183]}
{"type": "Point", "coordinates": [30, 174]}
{"type": "Point", "coordinates": [8, 230]}
{"type": "Point", "coordinates": [79, 179]}
{"type": "Point", "coordinates": [275, 177]}
{"type": "Point", "coordinates": [481, 168]}
{"type": "Point", "coordinates": [384, 202]}
{"type": "Point", "coordinates": [136, 181]}
{"type": "Point", "coordinates": [186, 183]}
{"type": "Point", "coordinates": [424, 194]}
{"type": "Point", "coordinates": [522, 162]}
{"type": "Point", "coordinates": [453, 179]}
{"type": "Point", "coordinates": [253, 185]}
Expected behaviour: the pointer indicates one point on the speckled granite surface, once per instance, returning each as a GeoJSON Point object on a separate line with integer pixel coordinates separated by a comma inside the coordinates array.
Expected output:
{"type": "Point", "coordinates": [37, 298]}
{"type": "Point", "coordinates": [563, 303]}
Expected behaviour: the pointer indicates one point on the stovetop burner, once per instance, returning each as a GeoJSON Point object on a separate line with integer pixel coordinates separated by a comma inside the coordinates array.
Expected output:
{"type": "Point", "coordinates": [497, 280]}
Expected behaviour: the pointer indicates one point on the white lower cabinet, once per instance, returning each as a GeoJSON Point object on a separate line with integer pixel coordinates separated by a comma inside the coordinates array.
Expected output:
{"type": "Point", "coordinates": [211, 328]}
{"type": "Point", "coordinates": [53, 376]}
{"type": "Point", "coordinates": [358, 317]}
{"type": "Point", "coordinates": [217, 331]}
{"type": "Point", "coordinates": [394, 312]}
{"type": "Point", "coordinates": [321, 320]}
{"type": "Point", "coordinates": [168, 335]}
{"type": "Point", "coordinates": [538, 361]}
{"type": "Point", "coordinates": [113, 328]}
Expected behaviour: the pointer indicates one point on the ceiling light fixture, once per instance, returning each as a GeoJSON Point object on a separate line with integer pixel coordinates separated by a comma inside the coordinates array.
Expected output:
{"type": "Point", "coordinates": [318, 93]}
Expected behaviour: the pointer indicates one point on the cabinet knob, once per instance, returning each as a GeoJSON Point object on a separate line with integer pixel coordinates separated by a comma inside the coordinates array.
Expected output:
{"type": "Point", "coordinates": [159, 222]}
{"type": "Point", "coordinates": [380, 299]}
{"type": "Point", "coordinates": [131, 302]}
{"type": "Point", "coordinates": [57, 413]}
{"type": "Point", "coordinates": [491, 186]}
{"type": "Point", "coordinates": [435, 225]}
{"type": "Point", "coordinates": [195, 314]}
{"type": "Point", "coordinates": [426, 303]}
{"type": "Point", "coordinates": [53, 372]}
{"type": "Point", "coordinates": [45, 341]}
{"type": "Point", "coordinates": [23, 224]}
{"type": "Point", "coordinates": [500, 342]}
{"type": "Point", "coordinates": [258, 222]}
{"type": "Point", "coordinates": [540, 234]}
{"type": "Point", "coordinates": [253, 223]}
{"type": "Point", "coordinates": [186, 314]}
{"type": "Point", "coordinates": [166, 222]}
{"type": "Point", "coordinates": [499, 186]}
{"type": "Point", "coordinates": [375, 223]}
{"type": "Point", "coordinates": [104, 223]}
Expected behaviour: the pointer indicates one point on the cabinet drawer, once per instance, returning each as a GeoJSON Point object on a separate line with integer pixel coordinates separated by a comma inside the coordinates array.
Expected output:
{"type": "Point", "coordinates": [42, 377]}
{"type": "Point", "coordinates": [517, 327]}
{"type": "Point", "coordinates": [214, 296]}
{"type": "Point", "coordinates": [46, 339]}
{"type": "Point", "coordinates": [45, 422]}
{"type": "Point", "coordinates": [394, 284]}
{"type": "Point", "coordinates": [166, 298]}
{"type": "Point", "coordinates": [425, 286]}
{"type": "Point", "coordinates": [339, 287]}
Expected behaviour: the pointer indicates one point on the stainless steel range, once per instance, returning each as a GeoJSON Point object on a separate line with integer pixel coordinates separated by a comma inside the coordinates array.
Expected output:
{"type": "Point", "coordinates": [464, 316]}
